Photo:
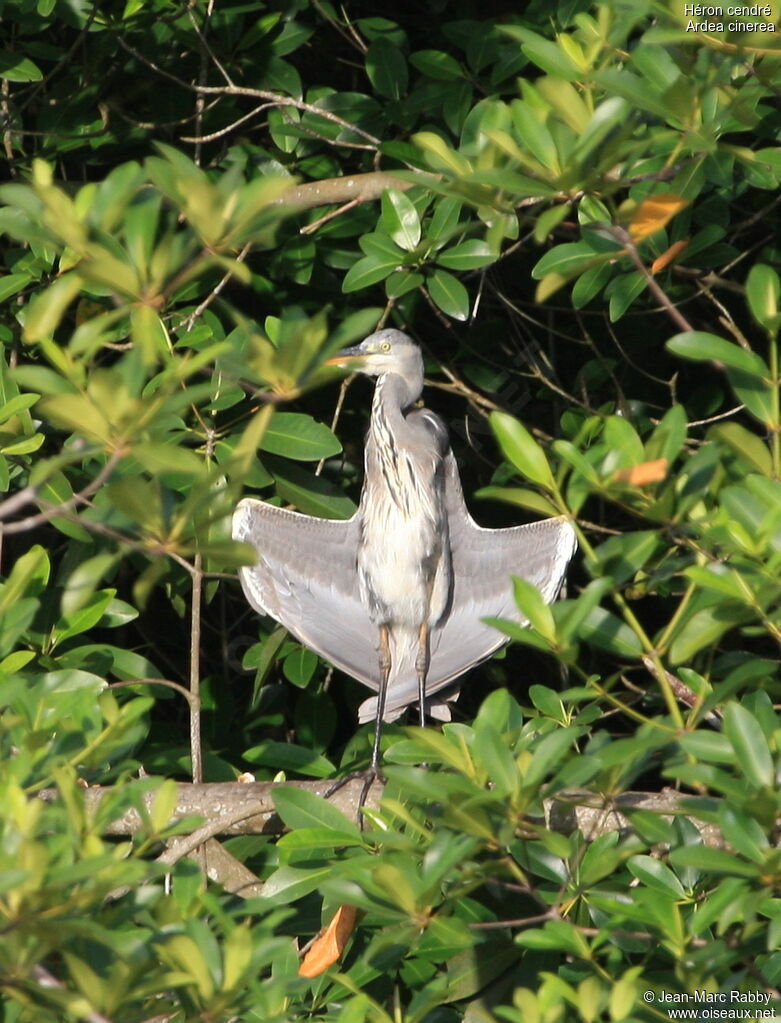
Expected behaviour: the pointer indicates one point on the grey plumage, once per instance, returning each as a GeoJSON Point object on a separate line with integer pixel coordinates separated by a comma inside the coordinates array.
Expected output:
{"type": "Point", "coordinates": [411, 569]}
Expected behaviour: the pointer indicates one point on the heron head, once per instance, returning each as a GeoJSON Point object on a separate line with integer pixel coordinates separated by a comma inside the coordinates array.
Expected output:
{"type": "Point", "coordinates": [385, 351]}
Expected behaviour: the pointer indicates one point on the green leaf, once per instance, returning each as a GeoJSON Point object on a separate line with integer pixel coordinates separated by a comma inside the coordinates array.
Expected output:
{"type": "Point", "coordinates": [522, 450]}
{"type": "Point", "coordinates": [545, 54]}
{"type": "Point", "coordinates": [621, 557]}
{"type": "Point", "coordinates": [608, 632]}
{"type": "Point", "coordinates": [535, 136]}
{"type": "Point", "coordinates": [401, 282]}
{"type": "Point", "coordinates": [400, 219]}
{"type": "Point", "coordinates": [490, 753]}
{"type": "Point", "coordinates": [622, 291]}
{"type": "Point", "coordinates": [704, 628]}
{"type": "Point", "coordinates": [158, 458]}
{"type": "Point", "coordinates": [287, 884]}
{"type": "Point", "coordinates": [368, 271]}
{"type": "Point", "coordinates": [567, 259]}
{"type": "Point", "coordinates": [287, 756]}
{"type": "Point", "coordinates": [500, 710]}
{"type": "Point", "coordinates": [548, 220]}
{"type": "Point", "coordinates": [16, 405]}
{"type": "Point", "coordinates": [83, 580]}
{"type": "Point", "coordinates": [299, 436]}
{"type": "Point", "coordinates": [548, 753]}
{"type": "Point", "coordinates": [30, 573]}
{"type": "Point", "coordinates": [656, 875]}
{"type": "Point", "coordinates": [57, 491]}
{"type": "Point", "coordinates": [469, 255]}
{"type": "Point", "coordinates": [301, 809]}
{"type": "Point", "coordinates": [300, 666]}
{"type": "Point", "coordinates": [721, 578]}
{"type": "Point", "coordinates": [744, 833]}
{"type": "Point", "coordinates": [449, 294]}
{"type": "Point", "coordinates": [590, 283]}
{"type": "Point", "coordinates": [12, 284]}
{"type": "Point", "coordinates": [48, 307]}
{"type": "Point", "coordinates": [470, 971]}
{"type": "Point", "coordinates": [316, 840]}
{"type": "Point", "coordinates": [520, 496]}
{"type": "Point", "coordinates": [436, 64]}
{"type": "Point", "coordinates": [699, 345]}
{"type": "Point", "coordinates": [387, 68]}
{"type": "Point", "coordinates": [763, 290]}
{"type": "Point", "coordinates": [716, 861]}
{"type": "Point", "coordinates": [444, 219]}
{"type": "Point", "coordinates": [756, 394]}
{"type": "Point", "coordinates": [311, 494]}
{"type": "Point", "coordinates": [382, 247]}
{"type": "Point", "coordinates": [148, 332]}
{"type": "Point", "coordinates": [668, 438]}
{"type": "Point", "coordinates": [16, 68]}
{"type": "Point", "coordinates": [750, 745]}
{"type": "Point", "coordinates": [534, 609]}
{"type": "Point", "coordinates": [24, 445]}
{"type": "Point", "coordinates": [748, 447]}
{"type": "Point", "coordinates": [440, 155]}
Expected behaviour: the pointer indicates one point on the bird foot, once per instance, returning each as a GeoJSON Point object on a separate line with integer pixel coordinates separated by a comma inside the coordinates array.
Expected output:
{"type": "Point", "coordinates": [369, 776]}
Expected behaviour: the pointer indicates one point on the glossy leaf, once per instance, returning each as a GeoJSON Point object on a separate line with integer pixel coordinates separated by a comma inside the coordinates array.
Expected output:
{"type": "Point", "coordinates": [763, 290]}
{"type": "Point", "coordinates": [386, 68]}
{"type": "Point", "coordinates": [299, 436]}
{"type": "Point", "coordinates": [449, 294]}
{"type": "Point", "coordinates": [520, 448]}
{"type": "Point", "coordinates": [750, 745]}
{"type": "Point", "coordinates": [400, 219]}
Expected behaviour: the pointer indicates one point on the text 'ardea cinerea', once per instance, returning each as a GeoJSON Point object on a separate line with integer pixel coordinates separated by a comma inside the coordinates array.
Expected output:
{"type": "Point", "coordinates": [395, 595]}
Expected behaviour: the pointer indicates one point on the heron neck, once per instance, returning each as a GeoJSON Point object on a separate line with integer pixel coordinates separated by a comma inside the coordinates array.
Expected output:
{"type": "Point", "coordinates": [394, 394]}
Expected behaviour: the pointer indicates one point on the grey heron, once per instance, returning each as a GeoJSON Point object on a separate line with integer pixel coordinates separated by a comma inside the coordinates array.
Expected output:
{"type": "Point", "coordinates": [395, 596]}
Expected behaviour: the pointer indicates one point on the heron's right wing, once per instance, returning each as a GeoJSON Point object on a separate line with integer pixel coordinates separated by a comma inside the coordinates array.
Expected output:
{"type": "Point", "coordinates": [305, 577]}
{"type": "Point", "coordinates": [483, 562]}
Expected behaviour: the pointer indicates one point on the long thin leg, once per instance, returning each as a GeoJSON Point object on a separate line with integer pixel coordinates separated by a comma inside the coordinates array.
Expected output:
{"type": "Point", "coordinates": [385, 667]}
{"type": "Point", "coordinates": [421, 667]}
{"type": "Point", "coordinates": [374, 771]}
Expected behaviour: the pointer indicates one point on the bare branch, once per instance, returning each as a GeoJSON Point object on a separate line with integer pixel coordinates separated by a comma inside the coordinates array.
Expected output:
{"type": "Point", "coordinates": [248, 809]}
{"type": "Point", "coordinates": [262, 94]}
{"type": "Point", "coordinates": [29, 494]}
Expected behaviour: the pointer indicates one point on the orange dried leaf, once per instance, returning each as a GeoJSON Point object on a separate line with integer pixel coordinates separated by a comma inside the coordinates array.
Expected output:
{"type": "Point", "coordinates": [654, 213]}
{"type": "Point", "coordinates": [644, 473]}
{"type": "Point", "coordinates": [668, 256]}
{"type": "Point", "coordinates": [329, 944]}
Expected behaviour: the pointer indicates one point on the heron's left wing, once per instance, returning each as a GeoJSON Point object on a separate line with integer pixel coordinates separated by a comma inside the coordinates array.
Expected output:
{"type": "Point", "coordinates": [483, 562]}
{"type": "Point", "coordinates": [305, 577]}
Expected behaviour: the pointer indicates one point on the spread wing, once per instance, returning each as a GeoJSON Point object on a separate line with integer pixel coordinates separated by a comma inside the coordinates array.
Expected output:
{"type": "Point", "coordinates": [305, 577]}
{"type": "Point", "coordinates": [483, 562]}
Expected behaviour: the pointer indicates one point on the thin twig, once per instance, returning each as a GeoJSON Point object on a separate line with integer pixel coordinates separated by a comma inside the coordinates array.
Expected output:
{"type": "Point", "coordinates": [167, 682]}
{"type": "Point", "coordinates": [204, 305]}
{"type": "Point", "coordinates": [625, 239]}
{"type": "Point", "coordinates": [263, 94]}
{"type": "Point", "coordinates": [337, 412]}
{"type": "Point", "coordinates": [311, 228]}
{"type": "Point", "coordinates": [196, 750]}
{"type": "Point", "coordinates": [199, 139]}
{"type": "Point", "coordinates": [29, 494]}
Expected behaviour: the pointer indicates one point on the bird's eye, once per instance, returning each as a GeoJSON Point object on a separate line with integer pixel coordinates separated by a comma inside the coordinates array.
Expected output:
{"type": "Point", "coordinates": [385, 346]}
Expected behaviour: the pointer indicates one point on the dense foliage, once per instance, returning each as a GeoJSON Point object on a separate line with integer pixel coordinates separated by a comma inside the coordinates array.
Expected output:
{"type": "Point", "coordinates": [168, 302]}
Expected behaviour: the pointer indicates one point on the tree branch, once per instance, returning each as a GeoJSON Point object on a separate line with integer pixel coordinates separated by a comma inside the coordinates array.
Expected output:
{"type": "Point", "coordinates": [248, 809]}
